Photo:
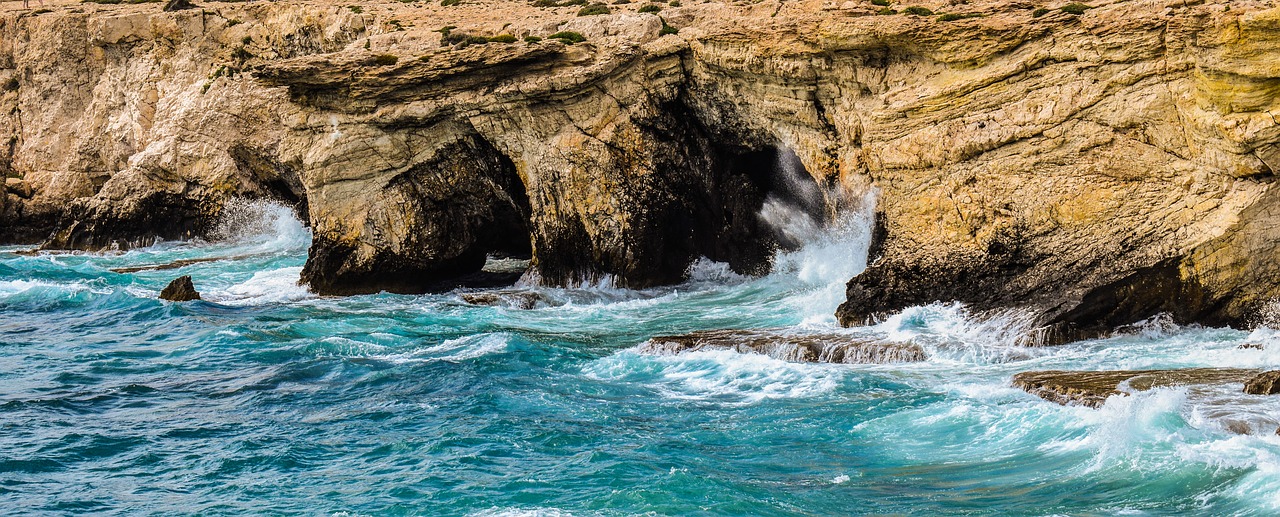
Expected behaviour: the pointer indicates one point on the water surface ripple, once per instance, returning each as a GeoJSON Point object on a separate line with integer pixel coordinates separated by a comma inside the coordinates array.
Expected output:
{"type": "Point", "coordinates": [264, 399]}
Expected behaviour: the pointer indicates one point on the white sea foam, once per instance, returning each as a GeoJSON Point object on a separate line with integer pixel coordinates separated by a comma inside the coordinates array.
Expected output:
{"type": "Point", "coordinates": [10, 288]}
{"type": "Point", "coordinates": [458, 349]}
{"type": "Point", "coordinates": [272, 286]}
{"type": "Point", "coordinates": [707, 271]}
{"type": "Point", "coordinates": [718, 375]}
{"type": "Point", "coordinates": [451, 350]}
{"type": "Point", "coordinates": [338, 346]}
{"type": "Point", "coordinates": [951, 334]}
{"type": "Point", "coordinates": [792, 224]}
{"type": "Point", "coordinates": [1126, 426]}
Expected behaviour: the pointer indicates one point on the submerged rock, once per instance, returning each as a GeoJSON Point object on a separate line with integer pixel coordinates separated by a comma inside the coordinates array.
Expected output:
{"type": "Point", "coordinates": [173, 265]}
{"type": "Point", "coordinates": [1092, 388]}
{"type": "Point", "coordinates": [180, 290]}
{"type": "Point", "coordinates": [1266, 383]}
{"type": "Point", "coordinates": [809, 348]}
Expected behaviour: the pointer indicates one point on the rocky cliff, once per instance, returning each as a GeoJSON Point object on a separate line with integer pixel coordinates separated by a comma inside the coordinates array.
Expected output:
{"type": "Point", "coordinates": [1094, 165]}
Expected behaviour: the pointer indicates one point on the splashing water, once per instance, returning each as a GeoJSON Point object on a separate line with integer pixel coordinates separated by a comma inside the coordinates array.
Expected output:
{"type": "Point", "coordinates": [266, 399]}
{"type": "Point", "coordinates": [264, 224]}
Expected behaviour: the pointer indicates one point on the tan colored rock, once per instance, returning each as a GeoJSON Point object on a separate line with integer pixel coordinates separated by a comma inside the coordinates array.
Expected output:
{"type": "Point", "coordinates": [625, 29]}
{"type": "Point", "coordinates": [18, 187]}
{"type": "Point", "coordinates": [1092, 389]}
{"type": "Point", "coordinates": [1265, 383]}
{"type": "Point", "coordinates": [1097, 168]}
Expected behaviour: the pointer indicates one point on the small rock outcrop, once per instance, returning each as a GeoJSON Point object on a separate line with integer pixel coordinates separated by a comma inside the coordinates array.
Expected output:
{"type": "Point", "coordinates": [1091, 389]}
{"type": "Point", "coordinates": [807, 348]}
{"type": "Point", "coordinates": [181, 289]}
{"type": "Point", "coordinates": [1265, 383]}
{"type": "Point", "coordinates": [19, 187]}
{"type": "Point", "coordinates": [516, 299]}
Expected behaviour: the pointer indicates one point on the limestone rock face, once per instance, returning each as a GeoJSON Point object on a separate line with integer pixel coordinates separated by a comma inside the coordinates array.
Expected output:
{"type": "Point", "coordinates": [1096, 169]}
{"type": "Point", "coordinates": [1097, 190]}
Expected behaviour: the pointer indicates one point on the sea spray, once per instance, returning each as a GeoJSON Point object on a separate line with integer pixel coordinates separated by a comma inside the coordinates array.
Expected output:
{"type": "Point", "coordinates": [263, 224]}
{"type": "Point", "coordinates": [796, 208]}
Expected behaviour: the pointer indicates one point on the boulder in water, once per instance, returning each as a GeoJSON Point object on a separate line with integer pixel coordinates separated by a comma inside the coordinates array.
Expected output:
{"type": "Point", "coordinates": [1265, 383]}
{"type": "Point", "coordinates": [809, 348]}
{"type": "Point", "coordinates": [1091, 389]}
{"type": "Point", "coordinates": [180, 290]}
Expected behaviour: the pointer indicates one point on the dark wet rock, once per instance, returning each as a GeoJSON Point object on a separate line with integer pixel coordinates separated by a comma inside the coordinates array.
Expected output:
{"type": "Point", "coordinates": [809, 348]}
{"type": "Point", "coordinates": [180, 290]}
{"type": "Point", "coordinates": [1266, 383]}
{"type": "Point", "coordinates": [482, 298]}
{"type": "Point", "coordinates": [1092, 388]}
{"type": "Point", "coordinates": [518, 299]}
{"type": "Point", "coordinates": [178, 5]}
{"type": "Point", "coordinates": [95, 225]}
{"type": "Point", "coordinates": [1250, 346]}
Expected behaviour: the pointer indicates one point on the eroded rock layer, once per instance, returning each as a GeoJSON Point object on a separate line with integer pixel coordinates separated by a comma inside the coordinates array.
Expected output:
{"type": "Point", "coordinates": [807, 348]}
{"type": "Point", "coordinates": [1096, 168]}
{"type": "Point", "coordinates": [1092, 389]}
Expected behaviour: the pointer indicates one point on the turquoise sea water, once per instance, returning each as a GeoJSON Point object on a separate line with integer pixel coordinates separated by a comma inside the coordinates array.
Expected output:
{"type": "Point", "coordinates": [264, 399]}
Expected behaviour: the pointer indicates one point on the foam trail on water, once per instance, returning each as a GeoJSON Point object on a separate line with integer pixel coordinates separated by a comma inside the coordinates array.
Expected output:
{"type": "Point", "coordinates": [717, 375]}
{"type": "Point", "coordinates": [270, 286]}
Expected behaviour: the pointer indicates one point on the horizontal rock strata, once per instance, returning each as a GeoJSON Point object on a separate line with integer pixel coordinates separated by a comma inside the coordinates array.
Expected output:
{"type": "Point", "coordinates": [1096, 168]}
{"type": "Point", "coordinates": [809, 348]}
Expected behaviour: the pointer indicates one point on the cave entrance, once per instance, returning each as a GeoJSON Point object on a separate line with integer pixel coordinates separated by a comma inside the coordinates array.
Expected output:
{"type": "Point", "coordinates": [505, 239]}
{"type": "Point", "coordinates": [508, 238]}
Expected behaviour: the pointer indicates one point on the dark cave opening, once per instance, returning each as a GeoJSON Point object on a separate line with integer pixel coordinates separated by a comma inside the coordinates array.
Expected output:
{"type": "Point", "coordinates": [760, 201]}
{"type": "Point", "coordinates": [502, 231]}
